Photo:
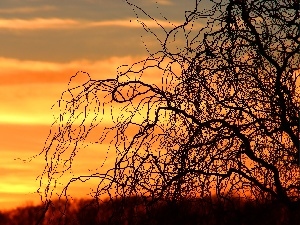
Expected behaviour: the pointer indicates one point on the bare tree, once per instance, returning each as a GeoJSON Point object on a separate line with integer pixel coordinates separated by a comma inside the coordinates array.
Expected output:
{"type": "Point", "coordinates": [223, 120]}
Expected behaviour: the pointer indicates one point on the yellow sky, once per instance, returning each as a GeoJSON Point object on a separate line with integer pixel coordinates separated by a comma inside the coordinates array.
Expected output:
{"type": "Point", "coordinates": [28, 91]}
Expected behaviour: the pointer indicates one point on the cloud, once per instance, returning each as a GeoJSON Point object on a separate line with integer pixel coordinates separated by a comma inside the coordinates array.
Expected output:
{"type": "Point", "coordinates": [15, 71]}
{"type": "Point", "coordinates": [138, 23]}
{"type": "Point", "coordinates": [163, 2]}
{"type": "Point", "coordinates": [37, 23]}
{"type": "Point", "coordinates": [27, 9]}
{"type": "Point", "coordinates": [28, 84]}
{"type": "Point", "coordinates": [57, 23]}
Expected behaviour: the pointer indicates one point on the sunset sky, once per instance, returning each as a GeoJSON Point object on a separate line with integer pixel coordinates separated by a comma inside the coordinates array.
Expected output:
{"type": "Point", "coordinates": [44, 43]}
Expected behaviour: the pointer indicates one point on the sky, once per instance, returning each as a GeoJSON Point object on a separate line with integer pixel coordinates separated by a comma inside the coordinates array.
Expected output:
{"type": "Point", "coordinates": [43, 43]}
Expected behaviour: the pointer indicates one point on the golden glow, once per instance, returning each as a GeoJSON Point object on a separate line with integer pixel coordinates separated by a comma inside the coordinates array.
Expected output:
{"type": "Point", "coordinates": [57, 23]}
{"type": "Point", "coordinates": [16, 188]}
{"type": "Point", "coordinates": [164, 2]}
{"type": "Point", "coordinates": [98, 68]}
{"type": "Point", "coordinates": [37, 23]}
{"type": "Point", "coordinates": [25, 10]}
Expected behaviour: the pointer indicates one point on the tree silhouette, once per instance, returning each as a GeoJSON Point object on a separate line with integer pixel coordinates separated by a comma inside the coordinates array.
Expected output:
{"type": "Point", "coordinates": [224, 120]}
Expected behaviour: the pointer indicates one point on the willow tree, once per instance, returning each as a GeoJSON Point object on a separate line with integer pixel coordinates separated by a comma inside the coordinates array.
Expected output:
{"type": "Point", "coordinates": [223, 118]}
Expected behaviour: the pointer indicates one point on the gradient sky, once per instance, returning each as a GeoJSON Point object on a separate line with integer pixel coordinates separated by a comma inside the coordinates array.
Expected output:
{"type": "Point", "coordinates": [43, 43]}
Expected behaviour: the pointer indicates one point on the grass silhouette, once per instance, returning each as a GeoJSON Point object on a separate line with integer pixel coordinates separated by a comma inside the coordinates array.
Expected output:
{"type": "Point", "coordinates": [132, 211]}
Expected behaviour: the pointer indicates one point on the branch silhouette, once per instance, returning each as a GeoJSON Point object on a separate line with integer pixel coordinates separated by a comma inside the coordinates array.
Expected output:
{"type": "Point", "coordinates": [224, 120]}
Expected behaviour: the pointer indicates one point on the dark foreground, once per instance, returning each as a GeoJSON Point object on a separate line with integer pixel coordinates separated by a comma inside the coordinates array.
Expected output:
{"type": "Point", "coordinates": [88, 212]}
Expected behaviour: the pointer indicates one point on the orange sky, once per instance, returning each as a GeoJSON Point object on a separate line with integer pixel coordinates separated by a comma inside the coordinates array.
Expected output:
{"type": "Point", "coordinates": [42, 46]}
{"type": "Point", "coordinates": [28, 91]}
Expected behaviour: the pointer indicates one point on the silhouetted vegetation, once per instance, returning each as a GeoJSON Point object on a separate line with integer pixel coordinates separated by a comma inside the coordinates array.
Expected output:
{"type": "Point", "coordinates": [223, 122]}
{"type": "Point", "coordinates": [186, 212]}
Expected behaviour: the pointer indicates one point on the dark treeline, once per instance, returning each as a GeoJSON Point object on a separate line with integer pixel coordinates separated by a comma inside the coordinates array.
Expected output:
{"type": "Point", "coordinates": [196, 211]}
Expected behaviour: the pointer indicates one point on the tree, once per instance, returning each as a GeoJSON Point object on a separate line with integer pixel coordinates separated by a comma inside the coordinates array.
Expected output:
{"type": "Point", "coordinates": [226, 123]}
